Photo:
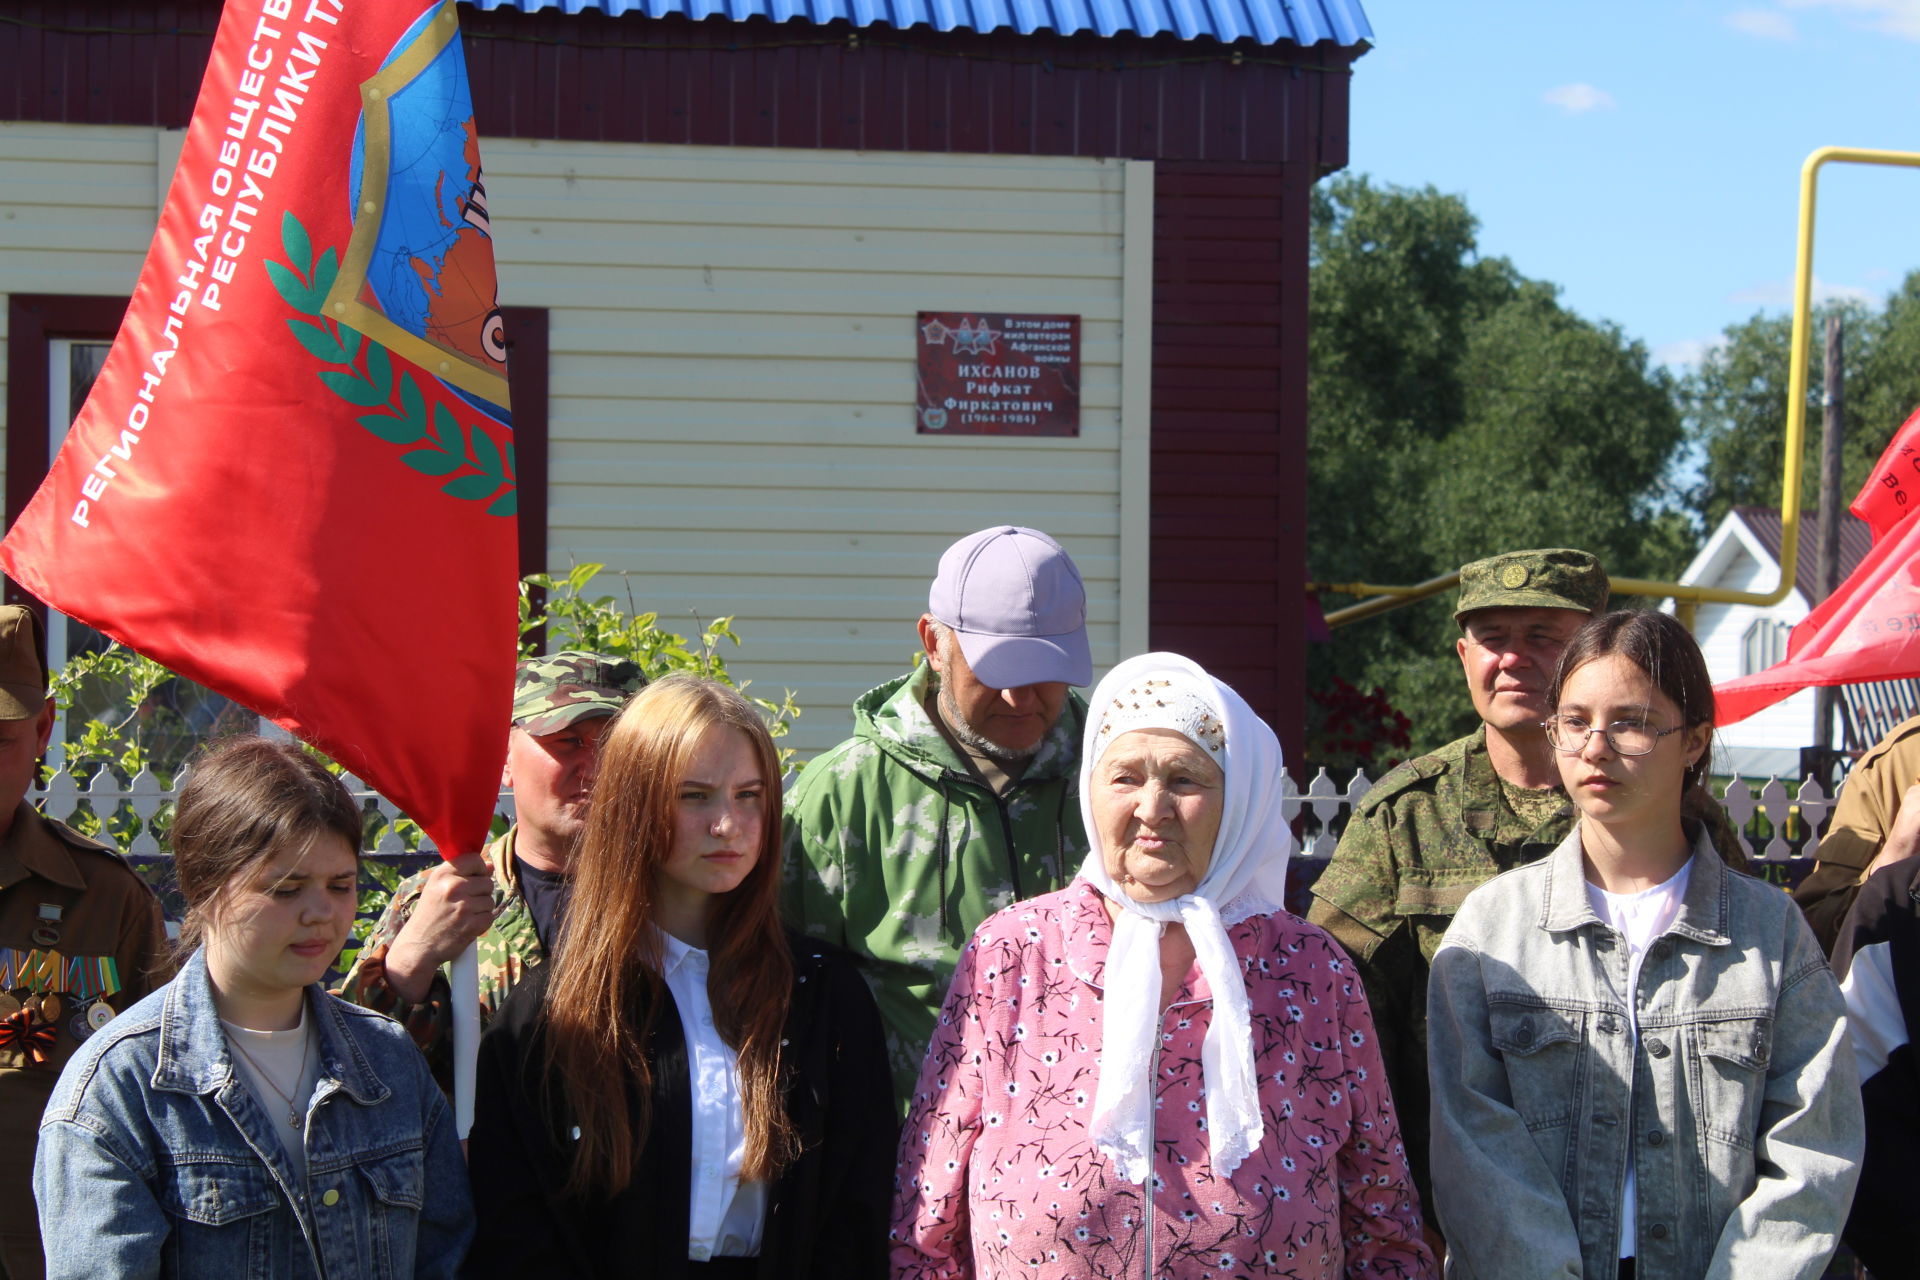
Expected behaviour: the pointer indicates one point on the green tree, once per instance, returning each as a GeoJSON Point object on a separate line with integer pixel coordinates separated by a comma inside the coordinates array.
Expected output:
{"type": "Point", "coordinates": [1736, 401]}
{"type": "Point", "coordinates": [1457, 410]}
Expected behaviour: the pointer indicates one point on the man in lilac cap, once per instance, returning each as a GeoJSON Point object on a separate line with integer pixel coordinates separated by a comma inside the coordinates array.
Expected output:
{"type": "Point", "coordinates": [955, 796]}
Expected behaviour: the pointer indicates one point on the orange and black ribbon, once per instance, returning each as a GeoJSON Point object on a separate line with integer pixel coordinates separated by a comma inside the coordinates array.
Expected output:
{"type": "Point", "coordinates": [24, 1032]}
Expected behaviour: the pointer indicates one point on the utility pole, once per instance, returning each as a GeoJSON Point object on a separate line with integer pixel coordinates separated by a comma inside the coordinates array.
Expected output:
{"type": "Point", "coordinates": [1828, 573]}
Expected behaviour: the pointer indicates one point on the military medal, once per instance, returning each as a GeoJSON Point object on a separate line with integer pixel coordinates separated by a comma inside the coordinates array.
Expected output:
{"type": "Point", "coordinates": [99, 1014]}
{"type": "Point", "coordinates": [48, 1007]}
{"type": "Point", "coordinates": [47, 932]}
{"type": "Point", "coordinates": [8, 1005]}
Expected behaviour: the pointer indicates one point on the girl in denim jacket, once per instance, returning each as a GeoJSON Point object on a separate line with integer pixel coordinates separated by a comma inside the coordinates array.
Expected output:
{"type": "Point", "coordinates": [240, 1122]}
{"type": "Point", "coordinates": [1639, 1058]}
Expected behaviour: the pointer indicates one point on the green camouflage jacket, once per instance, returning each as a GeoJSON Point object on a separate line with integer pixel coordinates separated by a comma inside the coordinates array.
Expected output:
{"type": "Point", "coordinates": [508, 948]}
{"type": "Point", "coordinates": [1429, 833]}
{"type": "Point", "coordinates": [897, 851]}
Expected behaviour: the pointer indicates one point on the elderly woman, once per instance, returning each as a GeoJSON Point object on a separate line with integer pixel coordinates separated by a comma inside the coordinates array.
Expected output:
{"type": "Point", "coordinates": [1157, 1071]}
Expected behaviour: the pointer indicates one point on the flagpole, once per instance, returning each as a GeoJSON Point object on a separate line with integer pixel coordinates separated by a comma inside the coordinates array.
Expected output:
{"type": "Point", "coordinates": [464, 978]}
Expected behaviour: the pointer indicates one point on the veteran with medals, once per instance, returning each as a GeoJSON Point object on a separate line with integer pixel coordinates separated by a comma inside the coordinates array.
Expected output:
{"type": "Point", "coordinates": [81, 937]}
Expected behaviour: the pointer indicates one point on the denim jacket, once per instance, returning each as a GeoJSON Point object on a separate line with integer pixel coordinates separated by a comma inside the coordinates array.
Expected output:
{"type": "Point", "coordinates": [155, 1159]}
{"type": "Point", "coordinates": [1740, 1107]}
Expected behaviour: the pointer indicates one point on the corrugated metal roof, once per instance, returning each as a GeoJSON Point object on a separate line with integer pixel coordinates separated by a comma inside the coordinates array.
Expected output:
{"type": "Point", "coordinates": [1301, 22]}
{"type": "Point", "coordinates": [1856, 539]}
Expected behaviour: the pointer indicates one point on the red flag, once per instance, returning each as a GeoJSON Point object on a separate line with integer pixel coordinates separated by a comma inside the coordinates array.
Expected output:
{"type": "Point", "coordinates": [1892, 491]}
{"type": "Point", "coordinates": [1869, 629]}
{"type": "Point", "coordinates": [294, 480]}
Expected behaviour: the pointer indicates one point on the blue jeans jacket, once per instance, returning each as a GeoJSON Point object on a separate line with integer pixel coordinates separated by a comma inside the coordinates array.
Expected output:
{"type": "Point", "coordinates": [155, 1159]}
{"type": "Point", "coordinates": [1739, 1108]}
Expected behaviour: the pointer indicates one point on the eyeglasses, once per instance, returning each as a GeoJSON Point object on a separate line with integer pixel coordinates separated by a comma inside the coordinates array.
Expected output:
{"type": "Point", "coordinates": [1569, 735]}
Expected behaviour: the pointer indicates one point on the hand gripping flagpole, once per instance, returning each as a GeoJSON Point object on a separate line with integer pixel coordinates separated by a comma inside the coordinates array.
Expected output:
{"type": "Point", "coordinates": [464, 978]}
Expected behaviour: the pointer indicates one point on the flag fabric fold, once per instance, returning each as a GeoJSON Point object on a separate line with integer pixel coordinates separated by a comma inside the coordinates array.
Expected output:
{"type": "Point", "coordinates": [1868, 629]}
{"type": "Point", "coordinates": [294, 480]}
{"type": "Point", "coordinates": [1892, 490]}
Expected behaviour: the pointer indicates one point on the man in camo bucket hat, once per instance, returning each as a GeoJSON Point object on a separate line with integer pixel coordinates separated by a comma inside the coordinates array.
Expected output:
{"type": "Point", "coordinates": [1440, 825]}
{"type": "Point", "coordinates": [512, 896]}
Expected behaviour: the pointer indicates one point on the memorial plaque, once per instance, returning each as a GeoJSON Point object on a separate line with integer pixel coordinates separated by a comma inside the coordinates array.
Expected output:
{"type": "Point", "coordinates": [988, 373]}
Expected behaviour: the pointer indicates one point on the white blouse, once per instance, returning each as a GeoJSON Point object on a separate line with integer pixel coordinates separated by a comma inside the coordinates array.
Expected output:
{"type": "Point", "coordinates": [725, 1217]}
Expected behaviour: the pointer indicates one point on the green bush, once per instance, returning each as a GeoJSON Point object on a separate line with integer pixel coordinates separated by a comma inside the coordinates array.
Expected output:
{"type": "Point", "coordinates": [126, 712]}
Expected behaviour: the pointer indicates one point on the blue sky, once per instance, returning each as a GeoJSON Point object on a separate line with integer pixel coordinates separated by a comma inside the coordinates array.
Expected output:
{"type": "Point", "coordinates": [1645, 154]}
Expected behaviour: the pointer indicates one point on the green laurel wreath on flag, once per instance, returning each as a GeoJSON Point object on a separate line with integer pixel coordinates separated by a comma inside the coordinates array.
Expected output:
{"type": "Point", "coordinates": [445, 446]}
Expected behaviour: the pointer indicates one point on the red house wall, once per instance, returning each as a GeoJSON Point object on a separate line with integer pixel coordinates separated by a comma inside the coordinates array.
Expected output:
{"type": "Point", "coordinates": [1237, 147]}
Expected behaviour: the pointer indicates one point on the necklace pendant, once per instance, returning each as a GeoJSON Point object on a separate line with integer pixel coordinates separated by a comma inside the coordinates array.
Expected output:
{"type": "Point", "coordinates": [293, 1118]}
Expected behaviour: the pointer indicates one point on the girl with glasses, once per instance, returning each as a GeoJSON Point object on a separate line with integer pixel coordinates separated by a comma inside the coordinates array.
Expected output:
{"type": "Point", "coordinates": [1638, 1056]}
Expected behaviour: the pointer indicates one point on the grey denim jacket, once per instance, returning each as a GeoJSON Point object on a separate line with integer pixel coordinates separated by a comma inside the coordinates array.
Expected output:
{"type": "Point", "coordinates": [1740, 1108]}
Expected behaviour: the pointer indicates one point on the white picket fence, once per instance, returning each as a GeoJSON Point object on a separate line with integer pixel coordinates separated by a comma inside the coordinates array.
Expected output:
{"type": "Point", "coordinates": [1802, 809]}
{"type": "Point", "coordinates": [107, 794]}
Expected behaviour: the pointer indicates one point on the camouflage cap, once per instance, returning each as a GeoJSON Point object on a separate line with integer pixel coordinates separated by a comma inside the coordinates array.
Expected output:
{"type": "Point", "coordinates": [1557, 578]}
{"type": "Point", "coordinates": [553, 692]}
{"type": "Point", "coordinates": [23, 663]}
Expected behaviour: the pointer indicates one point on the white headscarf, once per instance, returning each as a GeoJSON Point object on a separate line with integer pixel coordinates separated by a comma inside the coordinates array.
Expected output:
{"type": "Point", "coordinates": [1247, 876]}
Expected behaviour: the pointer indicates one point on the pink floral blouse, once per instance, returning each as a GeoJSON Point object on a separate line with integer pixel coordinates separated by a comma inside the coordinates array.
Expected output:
{"type": "Point", "coordinates": [998, 1176]}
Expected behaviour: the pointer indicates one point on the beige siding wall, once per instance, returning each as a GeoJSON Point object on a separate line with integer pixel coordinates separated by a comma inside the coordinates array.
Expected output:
{"type": "Point", "coordinates": [733, 382]}
{"type": "Point", "coordinates": [733, 368]}
{"type": "Point", "coordinates": [77, 208]}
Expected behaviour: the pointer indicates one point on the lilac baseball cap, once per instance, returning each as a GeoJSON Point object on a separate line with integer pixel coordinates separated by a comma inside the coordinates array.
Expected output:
{"type": "Point", "coordinates": [1015, 601]}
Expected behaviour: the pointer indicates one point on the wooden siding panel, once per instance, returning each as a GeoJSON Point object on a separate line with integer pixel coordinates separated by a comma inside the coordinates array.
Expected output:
{"type": "Point", "coordinates": [1229, 437]}
{"type": "Point", "coordinates": [731, 420]}
{"type": "Point", "coordinates": [80, 211]}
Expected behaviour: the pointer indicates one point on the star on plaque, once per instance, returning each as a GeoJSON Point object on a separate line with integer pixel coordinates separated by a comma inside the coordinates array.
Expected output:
{"type": "Point", "coordinates": [934, 334]}
{"type": "Point", "coordinates": [972, 340]}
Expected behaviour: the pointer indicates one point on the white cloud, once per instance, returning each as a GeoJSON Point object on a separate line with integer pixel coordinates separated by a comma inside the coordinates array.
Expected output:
{"type": "Point", "coordinates": [1577, 99]}
{"type": "Point", "coordinates": [1764, 24]}
{"type": "Point", "coordinates": [1824, 293]}
{"type": "Point", "coordinates": [1895, 17]}
{"type": "Point", "coordinates": [1779, 293]}
{"type": "Point", "coordinates": [1686, 354]}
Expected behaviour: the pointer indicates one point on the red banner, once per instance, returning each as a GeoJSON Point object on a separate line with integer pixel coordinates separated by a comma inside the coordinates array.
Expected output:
{"type": "Point", "coordinates": [1892, 492]}
{"type": "Point", "coordinates": [294, 481]}
{"type": "Point", "coordinates": [1869, 629]}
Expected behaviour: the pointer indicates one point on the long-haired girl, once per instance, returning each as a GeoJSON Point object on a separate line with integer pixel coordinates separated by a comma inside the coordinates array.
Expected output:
{"type": "Point", "coordinates": [686, 1089]}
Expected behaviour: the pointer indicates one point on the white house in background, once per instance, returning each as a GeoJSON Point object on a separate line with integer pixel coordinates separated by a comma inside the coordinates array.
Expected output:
{"type": "Point", "coordinates": [1744, 555]}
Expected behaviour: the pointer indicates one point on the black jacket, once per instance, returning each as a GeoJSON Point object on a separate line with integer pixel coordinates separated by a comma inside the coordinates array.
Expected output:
{"type": "Point", "coordinates": [827, 1216]}
{"type": "Point", "coordinates": [1883, 930]}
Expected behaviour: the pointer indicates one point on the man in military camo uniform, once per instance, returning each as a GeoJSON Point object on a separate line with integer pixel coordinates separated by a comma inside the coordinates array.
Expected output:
{"type": "Point", "coordinates": [1441, 825]}
{"type": "Point", "coordinates": [512, 896]}
{"type": "Point", "coordinates": [958, 793]}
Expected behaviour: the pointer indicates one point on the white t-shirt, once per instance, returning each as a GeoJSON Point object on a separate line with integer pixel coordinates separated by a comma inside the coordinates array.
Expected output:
{"type": "Point", "coordinates": [285, 1057]}
{"type": "Point", "coordinates": [1640, 917]}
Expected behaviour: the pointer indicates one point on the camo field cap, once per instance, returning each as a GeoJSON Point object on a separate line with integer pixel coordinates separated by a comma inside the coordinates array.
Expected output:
{"type": "Point", "coordinates": [553, 692]}
{"type": "Point", "coordinates": [23, 663]}
{"type": "Point", "coordinates": [1557, 578]}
